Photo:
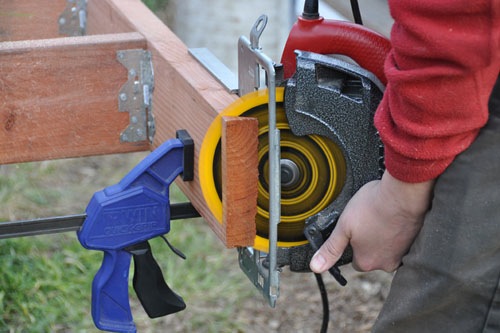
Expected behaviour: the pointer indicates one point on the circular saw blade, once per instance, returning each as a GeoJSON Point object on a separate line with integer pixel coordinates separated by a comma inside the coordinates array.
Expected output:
{"type": "Point", "coordinates": [312, 171]}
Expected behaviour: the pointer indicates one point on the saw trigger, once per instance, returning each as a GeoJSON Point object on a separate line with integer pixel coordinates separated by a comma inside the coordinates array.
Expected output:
{"type": "Point", "coordinates": [315, 237]}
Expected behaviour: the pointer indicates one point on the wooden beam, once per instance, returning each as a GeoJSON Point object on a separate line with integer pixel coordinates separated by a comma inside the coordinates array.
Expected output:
{"type": "Point", "coordinates": [30, 19]}
{"type": "Point", "coordinates": [59, 97]}
{"type": "Point", "coordinates": [102, 18]}
{"type": "Point", "coordinates": [240, 174]}
{"type": "Point", "coordinates": [186, 96]}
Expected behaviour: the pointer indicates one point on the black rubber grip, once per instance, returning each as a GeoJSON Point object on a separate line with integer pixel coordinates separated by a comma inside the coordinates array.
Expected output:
{"type": "Point", "coordinates": [156, 297]}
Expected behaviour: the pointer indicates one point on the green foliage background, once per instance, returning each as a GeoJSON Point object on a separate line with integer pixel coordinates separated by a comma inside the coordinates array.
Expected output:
{"type": "Point", "coordinates": [45, 283]}
{"type": "Point", "coordinates": [156, 5]}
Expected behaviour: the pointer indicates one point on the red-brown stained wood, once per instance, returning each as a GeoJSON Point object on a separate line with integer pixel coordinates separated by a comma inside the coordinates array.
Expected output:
{"type": "Point", "coordinates": [59, 97]}
{"type": "Point", "coordinates": [239, 150]}
{"type": "Point", "coordinates": [30, 19]}
{"type": "Point", "coordinates": [102, 18]}
{"type": "Point", "coordinates": [186, 96]}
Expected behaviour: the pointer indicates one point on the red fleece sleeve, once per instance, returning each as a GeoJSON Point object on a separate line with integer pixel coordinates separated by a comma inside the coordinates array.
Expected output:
{"type": "Point", "coordinates": [444, 61]}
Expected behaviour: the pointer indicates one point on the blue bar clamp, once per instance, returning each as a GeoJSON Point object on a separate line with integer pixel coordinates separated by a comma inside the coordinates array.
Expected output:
{"type": "Point", "coordinates": [120, 221]}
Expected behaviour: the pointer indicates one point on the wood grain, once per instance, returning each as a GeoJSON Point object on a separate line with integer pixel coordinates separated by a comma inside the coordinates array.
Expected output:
{"type": "Point", "coordinates": [59, 97]}
{"type": "Point", "coordinates": [239, 150]}
{"type": "Point", "coordinates": [103, 18]}
{"type": "Point", "coordinates": [30, 19]}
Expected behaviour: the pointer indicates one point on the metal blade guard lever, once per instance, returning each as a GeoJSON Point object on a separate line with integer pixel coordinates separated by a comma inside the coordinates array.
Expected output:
{"type": "Point", "coordinates": [120, 220]}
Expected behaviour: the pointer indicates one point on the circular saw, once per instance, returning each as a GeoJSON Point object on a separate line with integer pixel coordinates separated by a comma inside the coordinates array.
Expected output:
{"type": "Point", "coordinates": [319, 103]}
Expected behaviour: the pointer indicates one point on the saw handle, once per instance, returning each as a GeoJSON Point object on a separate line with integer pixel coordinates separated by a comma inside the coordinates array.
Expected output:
{"type": "Point", "coordinates": [316, 236]}
{"type": "Point", "coordinates": [368, 48]}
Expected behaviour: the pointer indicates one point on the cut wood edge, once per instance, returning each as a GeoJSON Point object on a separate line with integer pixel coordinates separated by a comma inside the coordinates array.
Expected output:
{"type": "Point", "coordinates": [239, 151]}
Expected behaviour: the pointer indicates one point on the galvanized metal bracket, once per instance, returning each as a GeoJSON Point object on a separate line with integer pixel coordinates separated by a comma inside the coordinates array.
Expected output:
{"type": "Point", "coordinates": [217, 68]}
{"type": "Point", "coordinates": [262, 268]}
{"type": "Point", "coordinates": [73, 20]}
{"type": "Point", "coordinates": [135, 96]}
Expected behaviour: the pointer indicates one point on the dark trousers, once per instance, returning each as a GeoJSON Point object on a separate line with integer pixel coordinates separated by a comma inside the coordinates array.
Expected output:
{"type": "Point", "coordinates": [450, 279]}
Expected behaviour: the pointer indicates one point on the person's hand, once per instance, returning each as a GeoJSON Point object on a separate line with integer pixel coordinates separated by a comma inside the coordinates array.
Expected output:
{"type": "Point", "coordinates": [380, 222]}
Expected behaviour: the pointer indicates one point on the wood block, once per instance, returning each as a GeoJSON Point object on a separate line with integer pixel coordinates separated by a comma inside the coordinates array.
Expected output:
{"type": "Point", "coordinates": [240, 175]}
{"type": "Point", "coordinates": [59, 97]}
{"type": "Point", "coordinates": [30, 19]}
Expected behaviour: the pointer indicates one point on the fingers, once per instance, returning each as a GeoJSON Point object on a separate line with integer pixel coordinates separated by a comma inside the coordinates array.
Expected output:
{"type": "Point", "coordinates": [330, 252]}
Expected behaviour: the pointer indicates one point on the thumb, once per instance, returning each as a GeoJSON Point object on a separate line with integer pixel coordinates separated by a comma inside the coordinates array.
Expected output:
{"type": "Point", "coordinates": [330, 252]}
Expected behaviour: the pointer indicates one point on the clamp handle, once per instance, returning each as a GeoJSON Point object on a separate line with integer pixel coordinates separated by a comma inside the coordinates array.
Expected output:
{"type": "Point", "coordinates": [110, 304]}
{"type": "Point", "coordinates": [155, 295]}
{"type": "Point", "coordinates": [110, 300]}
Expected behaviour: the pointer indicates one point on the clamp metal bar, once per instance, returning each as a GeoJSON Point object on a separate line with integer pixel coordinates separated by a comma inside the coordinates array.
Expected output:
{"type": "Point", "coordinates": [41, 226]}
{"type": "Point", "coordinates": [57, 224]}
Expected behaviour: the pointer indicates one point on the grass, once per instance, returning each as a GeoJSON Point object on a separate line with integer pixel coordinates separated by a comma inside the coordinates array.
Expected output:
{"type": "Point", "coordinates": [45, 284]}
{"type": "Point", "coordinates": [156, 5]}
{"type": "Point", "coordinates": [43, 281]}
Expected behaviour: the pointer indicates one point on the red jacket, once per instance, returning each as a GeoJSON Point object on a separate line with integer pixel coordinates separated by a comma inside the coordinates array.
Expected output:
{"type": "Point", "coordinates": [444, 61]}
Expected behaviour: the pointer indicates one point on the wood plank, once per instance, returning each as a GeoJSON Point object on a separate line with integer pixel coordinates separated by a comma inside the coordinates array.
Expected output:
{"type": "Point", "coordinates": [59, 97]}
{"type": "Point", "coordinates": [240, 174]}
{"type": "Point", "coordinates": [186, 96]}
{"type": "Point", "coordinates": [30, 19]}
{"type": "Point", "coordinates": [102, 18]}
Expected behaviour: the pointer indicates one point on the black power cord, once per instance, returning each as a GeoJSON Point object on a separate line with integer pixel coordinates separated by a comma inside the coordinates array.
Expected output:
{"type": "Point", "coordinates": [356, 13]}
{"type": "Point", "coordinates": [324, 301]}
{"type": "Point", "coordinates": [311, 11]}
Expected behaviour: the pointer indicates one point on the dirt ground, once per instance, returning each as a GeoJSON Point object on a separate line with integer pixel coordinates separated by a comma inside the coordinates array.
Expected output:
{"type": "Point", "coordinates": [353, 308]}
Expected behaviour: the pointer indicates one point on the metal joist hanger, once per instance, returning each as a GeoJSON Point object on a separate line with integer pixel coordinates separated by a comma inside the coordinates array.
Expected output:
{"type": "Point", "coordinates": [73, 20]}
{"type": "Point", "coordinates": [135, 96]}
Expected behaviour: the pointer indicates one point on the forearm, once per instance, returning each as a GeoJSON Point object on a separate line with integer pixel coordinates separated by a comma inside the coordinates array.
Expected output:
{"type": "Point", "coordinates": [441, 69]}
